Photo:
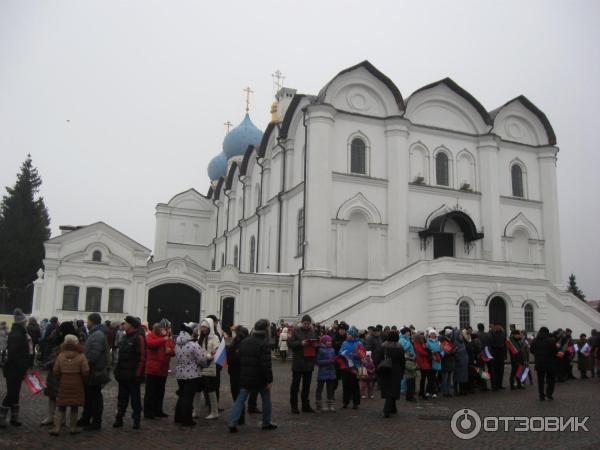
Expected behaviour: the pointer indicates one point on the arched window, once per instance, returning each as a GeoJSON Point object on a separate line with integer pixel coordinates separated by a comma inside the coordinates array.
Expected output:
{"type": "Point", "coordinates": [212, 264]}
{"type": "Point", "coordinates": [257, 195]}
{"type": "Point", "coordinates": [97, 256]}
{"type": "Point", "coordinates": [70, 298]}
{"type": "Point", "coordinates": [516, 173]}
{"type": "Point", "coordinates": [358, 156]}
{"type": "Point", "coordinates": [529, 323]}
{"type": "Point", "coordinates": [222, 259]}
{"type": "Point", "coordinates": [300, 237]}
{"type": "Point", "coordinates": [464, 315]}
{"type": "Point", "coordinates": [115, 300]}
{"type": "Point", "coordinates": [93, 299]}
{"type": "Point", "coordinates": [235, 256]}
{"type": "Point", "coordinates": [442, 178]}
{"type": "Point", "coordinates": [252, 254]}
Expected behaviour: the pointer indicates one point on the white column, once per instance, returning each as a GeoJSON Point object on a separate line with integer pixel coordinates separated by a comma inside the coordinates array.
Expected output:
{"type": "Point", "coordinates": [549, 192]}
{"type": "Point", "coordinates": [161, 234]}
{"type": "Point", "coordinates": [490, 199]}
{"type": "Point", "coordinates": [397, 195]}
{"type": "Point", "coordinates": [318, 213]}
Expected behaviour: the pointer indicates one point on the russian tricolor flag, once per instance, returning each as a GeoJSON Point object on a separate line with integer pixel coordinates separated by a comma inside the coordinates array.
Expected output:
{"type": "Point", "coordinates": [511, 347]}
{"type": "Point", "coordinates": [486, 355]}
{"type": "Point", "coordinates": [221, 354]}
{"type": "Point", "coordinates": [522, 372]}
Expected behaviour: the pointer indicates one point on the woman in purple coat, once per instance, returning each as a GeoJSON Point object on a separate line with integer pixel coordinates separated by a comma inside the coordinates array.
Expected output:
{"type": "Point", "coordinates": [326, 375]}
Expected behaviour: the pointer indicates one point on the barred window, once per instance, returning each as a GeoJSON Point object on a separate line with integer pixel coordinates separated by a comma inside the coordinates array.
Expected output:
{"type": "Point", "coordinates": [300, 237]}
{"type": "Point", "coordinates": [116, 298]}
{"type": "Point", "coordinates": [529, 323]}
{"type": "Point", "coordinates": [358, 156]}
{"type": "Point", "coordinates": [517, 180]}
{"type": "Point", "coordinates": [93, 297]}
{"type": "Point", "coordinates": [441, 169]}
{"type": "Point", "coordinates": [70, 298]}
{"type": "Point", "coordinates": [464, 315]}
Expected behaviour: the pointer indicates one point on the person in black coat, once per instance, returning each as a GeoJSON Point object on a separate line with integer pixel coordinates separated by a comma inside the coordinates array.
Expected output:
{"type": "Point", "coordinates": [498, 342]}
{"type": "Point", "coordinates": [391, 379]}
{"type": "Point", "coordinates": [19, 359]}
{"type": "Point", "coordinates": [234, 365]}
{"type": "Point", "coordinates": [544, 350]}
{"type": "Point", "coordinates": [256, 374]}
{"type": "Point", "coordinates": [303, 343]}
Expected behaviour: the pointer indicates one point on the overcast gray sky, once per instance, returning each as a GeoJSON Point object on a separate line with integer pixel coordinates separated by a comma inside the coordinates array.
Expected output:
{"type": "Point", "coordinates": [122, 103]}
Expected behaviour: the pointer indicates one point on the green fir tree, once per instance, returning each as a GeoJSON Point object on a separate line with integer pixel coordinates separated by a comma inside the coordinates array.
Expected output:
{"type": "Point", "coordinates": [574, 289]}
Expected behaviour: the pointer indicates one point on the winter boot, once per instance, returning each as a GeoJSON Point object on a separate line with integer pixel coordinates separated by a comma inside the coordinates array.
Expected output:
{"type": "Point", "coordinates": [3, 414]}
{"type": "Point", "coordinates": [196, 412]}
{"type": "Point", "coordinates": [59, 416]}
{"type": "Point", "coordinates": [320, 408]}
{"type": "Point", "coordinates": [49, 419]}
{"type": "Point", "coordinates": [118, 421]}
{"type": "Point", "coordinates": [14, 416]}
{"type": "Point", "coordinates": [214, 406]}
{"type": "Point", "coordinates": [331, 405]}
{"type": "Point", "coordinates": [73, 427]}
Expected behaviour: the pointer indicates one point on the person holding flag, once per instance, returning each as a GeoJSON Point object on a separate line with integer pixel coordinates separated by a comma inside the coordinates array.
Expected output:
{"type": "Point", "coordinates": [517, 359]}
{"type": "Point", "coordinates": [544, 350]}
{"type": "Point", "coordinates": [351, 354]}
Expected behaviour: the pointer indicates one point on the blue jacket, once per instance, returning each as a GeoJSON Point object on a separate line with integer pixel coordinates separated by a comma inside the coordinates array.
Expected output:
{"type": "Point", "coordinates": [434, 346]}
{"type": "Point", "coordinates": [326, 363]}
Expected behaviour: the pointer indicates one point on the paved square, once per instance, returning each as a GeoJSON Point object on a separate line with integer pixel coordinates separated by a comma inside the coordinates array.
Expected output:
{"type": "Point", "coordinates": [421, 425]}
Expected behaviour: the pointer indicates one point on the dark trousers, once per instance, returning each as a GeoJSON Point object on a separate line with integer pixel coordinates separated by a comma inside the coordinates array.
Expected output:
{"type": "Point", "coordinates": [129, 391]}
{"type": "Point", "coordinates": [252, 401]}
{"type": "Point", "coordinates": [545, 377]}
{"type": "Point", "coordinates": [13, 391]}
{"type": "Point", "coordinates": [330, 386]}
{"type": "Point", "coordinates": [427, 376]}
{"type": "Point", "coordinates": [410, 388]}
{"type": "Point", "coordinates": [185, 400]}
{"type": "Point", "coordinates": [497, 368]}
{"type": "Point", "coordinates": [350, 388]}
{"type": "Point", "coordinates": [154, 395]}
{"type": "Point", "coordinates": [305, 377]}
{"type": "Point", "coordinates": [389, 407]}
{"type": "Point", "coordinates": [94, 405]}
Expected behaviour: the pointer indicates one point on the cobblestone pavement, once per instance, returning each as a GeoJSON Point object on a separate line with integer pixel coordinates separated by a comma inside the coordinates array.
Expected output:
{"type": "Point", "coordinates": [422, 425]}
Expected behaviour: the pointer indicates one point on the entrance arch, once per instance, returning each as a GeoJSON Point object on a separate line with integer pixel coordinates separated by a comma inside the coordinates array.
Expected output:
{"type": "Point", "coordinates": [497, 311]}
{"type": "Point", "coordinates": [176, 302]}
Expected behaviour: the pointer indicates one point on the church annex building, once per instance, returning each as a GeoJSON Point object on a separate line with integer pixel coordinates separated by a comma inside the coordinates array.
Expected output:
{"type": "Point", "coordinates": [357, 204]}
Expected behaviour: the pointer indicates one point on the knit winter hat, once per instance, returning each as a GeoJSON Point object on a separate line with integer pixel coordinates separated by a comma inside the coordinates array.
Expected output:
{"type": "Point", "coordinates": [261, 325]}
{"type": "Point", "coordinates": [71, 339]}
{"type": "Point", "coordinates": [164, 323]}
{"type": "Point", "coordinates": [325, 339]}
{"type": "Point", "coordinates": [352, 331]}
{"type": "Point", "coordinates": [306, 318]}
{"type": "Point", "coordinates": [188, 328]}
{"type": "Point", "coordinates": [19, 316]}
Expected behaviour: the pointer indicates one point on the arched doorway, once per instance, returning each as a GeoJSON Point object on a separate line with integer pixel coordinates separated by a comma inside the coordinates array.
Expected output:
{"type": "Point", "coordinates": [497, 310]}
{"type": "Point", "coordinates": [227, 313]}
{"type": "Point", "coordinates": [176, 302]}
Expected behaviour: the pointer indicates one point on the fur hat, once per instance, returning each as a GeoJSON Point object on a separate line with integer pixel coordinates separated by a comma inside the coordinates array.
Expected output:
{"type": "Point", "coordinates": [19, 316]}
{"type": "Point", "coordinates": [133, 321]}
{"type": "Point", "coordinates": [95, 318]}
{"type": "Point", "coordinates": [71, 339]}
{"type": "Point", "coordinates": [261, 325]}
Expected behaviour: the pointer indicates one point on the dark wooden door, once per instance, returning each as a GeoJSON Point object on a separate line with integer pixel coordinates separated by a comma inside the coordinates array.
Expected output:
{"type": "Point", "coordinates": [497, 309]}
{"type": "Point", "coordinates": [227, 313]}
{"type": "Point", "coordinates": [176, 302]}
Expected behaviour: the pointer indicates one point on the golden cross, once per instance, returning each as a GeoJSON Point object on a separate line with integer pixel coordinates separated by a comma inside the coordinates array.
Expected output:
{"type": "Point", "coordinates": [248, 91]}
{"type": "Point", "coordinates": [278, 79]}
{"type": "Point", "coordinates": [228, 125]}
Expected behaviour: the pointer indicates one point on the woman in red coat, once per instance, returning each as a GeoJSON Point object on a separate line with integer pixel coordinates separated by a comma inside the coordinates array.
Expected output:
{"type": "Point", "coordinates": [423, 362]}
{"type": "Point", "coordinates": [160, 349]}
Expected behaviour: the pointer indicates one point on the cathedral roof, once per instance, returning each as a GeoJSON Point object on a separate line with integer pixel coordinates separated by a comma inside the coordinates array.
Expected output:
{"type": "Point", "coordinates": [217, 167]}
{"type": "Point", "coordinates": [237, 140]}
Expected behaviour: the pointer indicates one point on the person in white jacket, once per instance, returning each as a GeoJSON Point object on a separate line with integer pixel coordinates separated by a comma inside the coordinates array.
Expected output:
{"type": "Point", "coordinates": [209, 342]}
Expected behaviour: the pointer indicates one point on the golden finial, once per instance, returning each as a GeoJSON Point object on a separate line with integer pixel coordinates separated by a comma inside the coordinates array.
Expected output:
{"type": "Point", "coordinates": [248, 91]}
{"type": "Point", "coordinates": [228, 125]}
{"type": "Point", "coordinates": [274, 118]}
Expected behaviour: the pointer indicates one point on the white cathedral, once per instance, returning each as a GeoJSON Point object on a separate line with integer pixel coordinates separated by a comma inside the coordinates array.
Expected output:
{"type": "Point", "coordinates": [353, 204]}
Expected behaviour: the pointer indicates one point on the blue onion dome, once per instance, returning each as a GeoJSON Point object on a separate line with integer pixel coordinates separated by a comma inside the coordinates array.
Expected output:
{"type": "Point", "coordinates": [217, 167]}
{"type": "Point", "coordinates": [237, 140]}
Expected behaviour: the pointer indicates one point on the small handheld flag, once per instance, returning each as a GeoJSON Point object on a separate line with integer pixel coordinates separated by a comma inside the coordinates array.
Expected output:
{"type": "Point", "coordinates": [585, 348]}
{"type": "Point", "coordinates": [575, 348]}
{"type": "Point", "coordinates": [484, 375]}
{"type": "Point", "coordinates": [511, 347]}
{"type": "Point", "coordinates": [522, 373]}
{"type": "Point", "coordinates": [221, 354]}
{"type": "Point", "coordinates": [486, 355]}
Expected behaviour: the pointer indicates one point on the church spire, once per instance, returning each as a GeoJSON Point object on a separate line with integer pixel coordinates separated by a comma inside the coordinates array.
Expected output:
{"type": "Point", "coordinates": [248, 91]}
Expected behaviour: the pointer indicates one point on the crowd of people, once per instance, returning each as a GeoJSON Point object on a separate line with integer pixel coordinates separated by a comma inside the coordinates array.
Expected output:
{"type": "Point", "coordinates": [80, 359]}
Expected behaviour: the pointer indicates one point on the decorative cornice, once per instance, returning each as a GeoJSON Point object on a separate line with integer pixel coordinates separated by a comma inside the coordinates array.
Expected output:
{"type": "Point", "coordinates": [359, 179]}
{"type": "Point", "coordinates": [445, 191]}
{"type": "Point", "coordinates": [518, 201]}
